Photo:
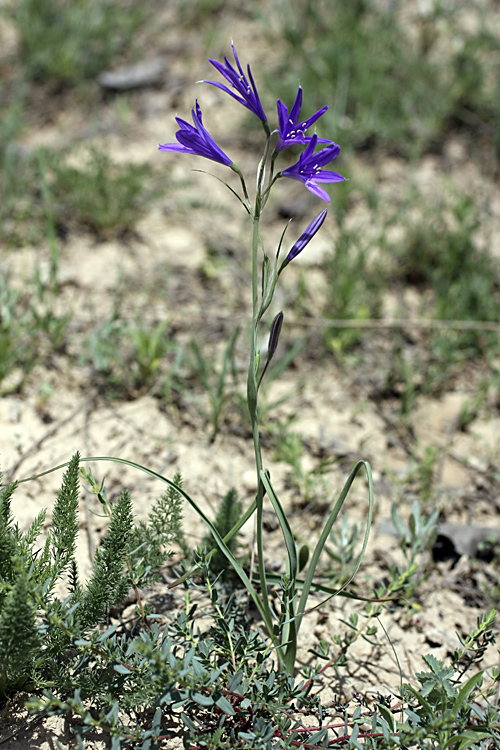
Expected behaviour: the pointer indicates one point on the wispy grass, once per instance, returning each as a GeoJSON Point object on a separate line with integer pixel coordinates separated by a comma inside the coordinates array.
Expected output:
{"type": "Point", "coordinates": [439, 256]}
{"type": "Point", "coordinates": [66, 43]}
{"type": "Point", "coordinates": [392, 76]}
{"type": "Point", "coordinates": [101, 195]}
{"type": "Point", "coordinates": [127, 358]}
{"type": "Point", "coordinates": [354, 285]}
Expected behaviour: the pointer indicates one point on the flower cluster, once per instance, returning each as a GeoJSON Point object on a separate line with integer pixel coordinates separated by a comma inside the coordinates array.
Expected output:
{"type": "Point", "coordinates": [291, 132]}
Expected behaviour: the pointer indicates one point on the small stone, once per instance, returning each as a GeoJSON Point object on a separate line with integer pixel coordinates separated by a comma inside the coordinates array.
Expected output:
{"type": "Point", "coordinates": [145, 73]}
{"type": "Point", "coordinates": [249, 481]}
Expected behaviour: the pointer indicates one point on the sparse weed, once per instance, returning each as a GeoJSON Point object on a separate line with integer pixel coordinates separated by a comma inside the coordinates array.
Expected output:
{"type": "Point", "coordinates": [354, 288]}
{"type": "Point", "coordinates": [419, 535]}
{"type": "Point", "coordinates": [132, 357]}
{"type": "Point", "coordinates": [31, 327]}
{"type": "Point", "coordinates": [22, 215]}
{"type": "Point", "coordinates": [214, 376]}
{"type": "Point", "coordinates": [406, 371]}
{"type": "Point", "coordinates": [390, 81]}
{"type": "Point", "coordinates": [151, 346]}
{"type": "Point", "coordinates": [67, 43]}
{"type": "Point", "coordinates": [106, 197]}
{"type": "Point", "coordinates": [485, 395]}
{"type": "Point", "coordinates": [423, 476]}
{"type": "Point", "coordinates": [309, 484]}
{"type": "Point", "coordinates": [16, 350]}
{"type": "Point", "coordinates": [103, 350]}
{"type": "Point", "coordinates": [342, 551]}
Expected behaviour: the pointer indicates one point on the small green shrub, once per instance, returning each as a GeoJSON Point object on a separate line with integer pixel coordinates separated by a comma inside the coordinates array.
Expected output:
{"type": "Point", "coordinates": [228, 514]}
{"type": "Point", "coordinates": [342, 551]}
{"type": "Point", "coordinates": [38, 631]}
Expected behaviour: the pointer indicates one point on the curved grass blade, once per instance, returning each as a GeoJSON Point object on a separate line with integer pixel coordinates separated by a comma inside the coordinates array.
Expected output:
{"type": "Point", "coordinates": [308, 581]}
{"type": "Point", "coordinates": [274, 578]}
{"type": "Point", "coordinates": [246, 206]}
{"type": "Point", "coordinates": [290, 629]}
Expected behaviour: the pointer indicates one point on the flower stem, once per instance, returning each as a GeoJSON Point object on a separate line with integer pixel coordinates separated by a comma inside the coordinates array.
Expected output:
{"type": "Point", "coordinates": [252, 399]}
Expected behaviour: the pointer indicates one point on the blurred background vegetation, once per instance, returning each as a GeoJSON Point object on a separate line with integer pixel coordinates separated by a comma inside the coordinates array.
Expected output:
{"type": "Point", "coordinates": [405, 81]}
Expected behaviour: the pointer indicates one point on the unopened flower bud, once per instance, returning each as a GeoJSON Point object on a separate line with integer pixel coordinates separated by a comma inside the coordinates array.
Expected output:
{"type": "Point", "coordinates": [274, 335]}
{"type": "Point", "coordinates": [304, 238]}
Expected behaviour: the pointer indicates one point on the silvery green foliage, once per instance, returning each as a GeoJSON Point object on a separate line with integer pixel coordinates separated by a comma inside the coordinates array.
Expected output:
{"type": "Point", "coordinates": [221, 682]}
{"type": "Point", "coordinates": [219, 688]}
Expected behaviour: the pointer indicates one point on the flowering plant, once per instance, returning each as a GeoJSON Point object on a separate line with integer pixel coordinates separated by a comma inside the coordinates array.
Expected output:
{"type": "Point", "coordinates": [309, 170]}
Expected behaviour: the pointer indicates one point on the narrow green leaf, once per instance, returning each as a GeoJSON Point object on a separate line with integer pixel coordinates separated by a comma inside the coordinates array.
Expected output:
{"type": "Point", "coordinates": [426, 705]}
{"type": "Point", "coordinates": [306, 587]}
{"type": "Point", "coordinates": [465, 691]}
{"type": "Point", "coordinates": [303, 556]}
{"type": "Point", "coordinates": [190, 724]}
{"type": "Point", "coordinates": [284, 525]}
{"type": "Point", "coordinates": [387, 715]}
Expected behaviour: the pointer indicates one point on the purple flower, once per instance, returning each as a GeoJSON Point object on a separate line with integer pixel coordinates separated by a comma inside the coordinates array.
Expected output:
{"type": "Point", "coordinates": [246, 92]}
{"type": "Point", "coordinates": [308, 168]}
{"type": "Point", "coordinates": [291, 132]}
{"type": "Point", "coordinates": [305, 238]}
{"type": "Point", "coordinates": [196, 140]}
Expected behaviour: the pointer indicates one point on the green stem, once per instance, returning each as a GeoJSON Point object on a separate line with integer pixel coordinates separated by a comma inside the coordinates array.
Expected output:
{"type": "Point", "coordinates": [262, 194]}
{"type": "Point", "coordinates": [263, 373]}
{"type": "Point", "coordinates": [252, 395]}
